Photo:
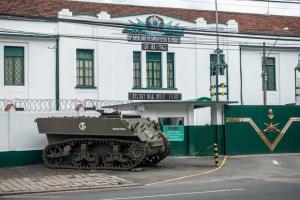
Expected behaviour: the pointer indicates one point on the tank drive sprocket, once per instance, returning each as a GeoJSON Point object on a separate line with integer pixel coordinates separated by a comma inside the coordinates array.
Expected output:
{"type": "Point", "coordinates": [137, 151]}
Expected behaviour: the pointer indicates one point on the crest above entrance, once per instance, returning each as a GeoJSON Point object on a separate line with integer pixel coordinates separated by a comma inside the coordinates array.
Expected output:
{"type": "Point", "coordinates": [153, 25]}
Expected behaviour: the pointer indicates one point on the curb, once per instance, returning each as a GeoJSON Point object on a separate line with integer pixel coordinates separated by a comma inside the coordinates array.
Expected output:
{"type": "Point", "coordinates": [70, 189]}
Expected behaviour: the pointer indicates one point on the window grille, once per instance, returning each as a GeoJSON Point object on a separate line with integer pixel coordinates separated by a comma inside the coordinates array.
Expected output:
{"type": "Point", "coordinates": [137, 81]}
{"type": "Point", "coordinates": [85, 68]}
{"type": "Point", "coordinates": [153, 69]}
{"type": "Point", "coordinates": [13, 65]}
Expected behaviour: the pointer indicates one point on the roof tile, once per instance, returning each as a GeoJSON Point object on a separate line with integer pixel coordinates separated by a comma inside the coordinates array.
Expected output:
{"type": "Point", "coordinates": [248, 23]}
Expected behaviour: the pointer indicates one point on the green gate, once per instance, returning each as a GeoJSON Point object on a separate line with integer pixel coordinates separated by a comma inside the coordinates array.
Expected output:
{"type": "Point", "coordinates": [198, 141]}
{"type": "Point", "coordinates": [262, 129]}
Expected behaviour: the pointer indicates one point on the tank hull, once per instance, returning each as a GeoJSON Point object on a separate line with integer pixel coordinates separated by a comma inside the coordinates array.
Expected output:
{"type": "Point", "coordinates": [97, 143]}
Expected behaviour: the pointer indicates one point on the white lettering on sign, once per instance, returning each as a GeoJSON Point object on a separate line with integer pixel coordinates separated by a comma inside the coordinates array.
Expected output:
{"type": "Point", "coordinates": [119, 129]}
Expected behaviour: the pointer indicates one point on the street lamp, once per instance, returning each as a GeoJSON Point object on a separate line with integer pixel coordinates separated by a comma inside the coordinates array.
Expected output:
{"type": "Point", "coordinates": [218, 76]}
{"type": "Point", "coordinates": [297, 82]}
{"type": "Point", "coordinates": [218, 69]}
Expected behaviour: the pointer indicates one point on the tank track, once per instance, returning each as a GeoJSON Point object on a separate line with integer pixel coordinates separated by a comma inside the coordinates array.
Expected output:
{"type": "Point", "coordinates": [76, 154]}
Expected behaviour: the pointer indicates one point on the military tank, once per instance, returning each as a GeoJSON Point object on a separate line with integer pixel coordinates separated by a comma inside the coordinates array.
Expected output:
{"type": "Point", "coordinates": [110, 141]}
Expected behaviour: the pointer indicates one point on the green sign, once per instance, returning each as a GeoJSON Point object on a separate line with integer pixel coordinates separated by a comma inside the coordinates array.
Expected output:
{"type": "Point", "coordinates": [175, 132]}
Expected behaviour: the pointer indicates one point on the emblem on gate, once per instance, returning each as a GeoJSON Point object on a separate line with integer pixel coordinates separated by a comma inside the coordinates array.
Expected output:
{"type": "Point", "coordinates": [82, 126]}
{"type": "Point", "coordinates": [269, 128]}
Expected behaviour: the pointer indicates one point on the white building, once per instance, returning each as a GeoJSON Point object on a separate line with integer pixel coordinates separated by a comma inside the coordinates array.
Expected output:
{"type": "Point", "coordinates": [80, 50]}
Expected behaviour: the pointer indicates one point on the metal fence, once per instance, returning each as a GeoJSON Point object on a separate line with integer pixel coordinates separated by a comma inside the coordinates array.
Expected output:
{"type": "Point", "coordinates": [63, 104]}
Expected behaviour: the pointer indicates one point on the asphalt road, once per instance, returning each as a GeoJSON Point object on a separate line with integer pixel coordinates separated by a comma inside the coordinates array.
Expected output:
{"type": "Point", "coordinates": [285, 188]}
{"type": "Point", "coordinates": [243, 178]}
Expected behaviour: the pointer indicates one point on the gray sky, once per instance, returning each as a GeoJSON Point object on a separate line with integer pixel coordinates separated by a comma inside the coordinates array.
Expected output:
{"type": "Point", "coordinates": [225, 5]}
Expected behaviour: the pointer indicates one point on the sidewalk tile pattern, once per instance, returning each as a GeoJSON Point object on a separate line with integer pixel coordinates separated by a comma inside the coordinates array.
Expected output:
{"type": "Point", "coordinates": [60, 183]}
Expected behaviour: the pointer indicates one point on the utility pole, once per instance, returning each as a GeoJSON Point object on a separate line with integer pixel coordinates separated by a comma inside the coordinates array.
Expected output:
{"type": "Point", "coordinates": [217, 24]}
{"type": "Point", "coordinates": [217, 51]}
{"type": "Point", "coordinates": [264, 74]}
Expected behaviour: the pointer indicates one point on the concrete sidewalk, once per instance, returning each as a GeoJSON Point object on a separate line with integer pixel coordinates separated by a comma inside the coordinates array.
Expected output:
{"type": "Point", "coordinates": [38, 178]}
{"type": "Point", "coordinates": [55, 183]}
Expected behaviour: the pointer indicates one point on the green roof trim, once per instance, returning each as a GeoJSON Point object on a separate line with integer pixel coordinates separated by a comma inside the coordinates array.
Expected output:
{"type": "Point", "coordinates": [199, 100]}
{"type": "Point", "coordinates": [197, 103]}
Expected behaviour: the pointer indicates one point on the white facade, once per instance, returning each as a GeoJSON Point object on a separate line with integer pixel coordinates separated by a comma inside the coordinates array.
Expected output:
{"type": "Point", "coordinates": [113, 62]}
{"type": "Point", "coordinates": [19, 132]}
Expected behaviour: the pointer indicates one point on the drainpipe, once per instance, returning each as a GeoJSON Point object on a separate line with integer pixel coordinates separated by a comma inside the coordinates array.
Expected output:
{"type": "Point", "coordinates": [57, 75]}
{"type": "Point", "coordinates": [241, 77]}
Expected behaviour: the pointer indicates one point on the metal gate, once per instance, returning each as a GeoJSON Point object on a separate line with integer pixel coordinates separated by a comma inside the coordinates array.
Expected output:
{"type": "Point", "coordinates": [262, 129]}
{"type": "Point", "coordinates": [199, 141]}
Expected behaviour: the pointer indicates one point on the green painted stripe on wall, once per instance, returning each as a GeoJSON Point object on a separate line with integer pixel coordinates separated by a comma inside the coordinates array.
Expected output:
{"type": "Point", "coordinates": [20, 158]}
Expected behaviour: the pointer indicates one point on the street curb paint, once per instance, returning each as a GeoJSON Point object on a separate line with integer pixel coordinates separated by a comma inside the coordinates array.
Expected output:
{"type": "Point", "coordinates": [189, 176]}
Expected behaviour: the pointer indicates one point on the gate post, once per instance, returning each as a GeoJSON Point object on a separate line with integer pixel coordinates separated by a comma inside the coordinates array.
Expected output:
{"type": "Point", "coordinates": [216, 154]}
{"type": "Point", "coordinates": [217, 120]}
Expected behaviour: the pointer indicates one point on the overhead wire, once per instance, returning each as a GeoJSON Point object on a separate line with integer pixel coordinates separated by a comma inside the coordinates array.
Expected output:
{"type": "Point", "coordinates": [206, 39]}
{"type": "Point", "coordinates": [274, 1]}
{"type": "Point", "coordinates": [244, 4]}
{"type": "Point", "coordinates": [204, 34]}
{"type": "Point", "coordinates": [109, 39]}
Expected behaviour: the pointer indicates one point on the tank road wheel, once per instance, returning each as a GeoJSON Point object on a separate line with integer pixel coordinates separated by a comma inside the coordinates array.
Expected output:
{"type": "Point", "coordinates": [107, 160]}
{"type": "Point", "coordinates": [90, 161]}
{"type": "Point", "coordinates": [76, 160]}
{"type": "Point", "coordinates": [137, 152]}
{"type": "Point", "coordinates": [52, 156]}
{"type": "Point", "coordinates": [93, 160]}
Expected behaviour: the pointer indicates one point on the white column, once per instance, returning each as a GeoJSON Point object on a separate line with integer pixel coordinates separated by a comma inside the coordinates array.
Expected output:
{"type": "Point", "coordinates": [200, 68]}
{"type": "Point", "coordinates": [217, 114]}
{"type": "Point", "coordinates": [164, 70]}
{"type": "Point", "coordinates": [11, 130]}
{"type": "Point", "coordinates": [144, 69]}
{"type": "Point", "coordinates": [190, 115]}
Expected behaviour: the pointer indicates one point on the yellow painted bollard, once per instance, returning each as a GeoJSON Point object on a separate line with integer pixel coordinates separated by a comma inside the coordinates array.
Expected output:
{"type": "Point", "coordinates": [216, 154]}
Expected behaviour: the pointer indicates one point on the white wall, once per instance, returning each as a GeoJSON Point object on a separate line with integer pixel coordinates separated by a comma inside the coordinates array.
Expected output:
{"type": "Point", "coordinates": [19, 132]}
{"type": "Point", "coordinates": [285, 60]}
{"type": "Point", "coordinates": [39, 69]}
{"type": "Point", "coordinates": [163, 111]}
{"type": "Point", "coordinates": [113, 63]}
{"type": "Point", "coordinates": [4, 141]}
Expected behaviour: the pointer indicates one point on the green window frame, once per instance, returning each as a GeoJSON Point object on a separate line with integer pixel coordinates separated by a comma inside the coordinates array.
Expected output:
{"type": "Point", "coordinates": [170, 70]}
{"type": "Point", "coordinates": [13, 66]}
{"type": "Point", "coordinates": [154, 70]}
{"type": "Point", "coordinates": [137, 74]}
{"type": "Point", "coordinates": [84, 68]}
{"type": "Point", "coordinates": [271, 73]}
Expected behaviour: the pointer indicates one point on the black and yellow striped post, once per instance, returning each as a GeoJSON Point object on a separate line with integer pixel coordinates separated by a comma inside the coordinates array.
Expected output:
{"type": "Point", "coordinates": [216, 154]}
